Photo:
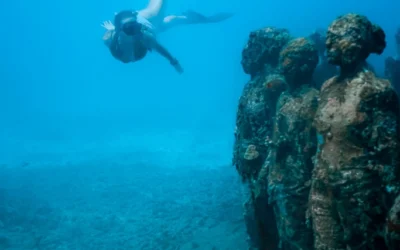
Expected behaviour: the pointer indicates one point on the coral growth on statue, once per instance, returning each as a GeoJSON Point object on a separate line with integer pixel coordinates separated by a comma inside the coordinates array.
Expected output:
{"type": "Point", "coordinates": [356, 171]}
{"type": "Point", "coordinates": [344, 192]}
{"type": "Point", "coordinates": [263, 48]}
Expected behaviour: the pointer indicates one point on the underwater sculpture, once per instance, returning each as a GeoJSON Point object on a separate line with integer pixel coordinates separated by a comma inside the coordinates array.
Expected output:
{"type": "Point", "coordinates": [256, 109]}
{"type": "Point", "coordinates": [392, 65]}
{"type": "Point", "coordinates": [290, 162]}
{"type": "Point", "coordinates": [262, 50]}
{"type": "Point", "coordinates": [355, 177]}
{"type": "Point", "coordinates": [353, 185]}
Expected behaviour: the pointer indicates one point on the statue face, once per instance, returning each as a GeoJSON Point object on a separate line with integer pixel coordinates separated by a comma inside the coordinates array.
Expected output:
{"type": "Point", "coordinates": [351, 39]}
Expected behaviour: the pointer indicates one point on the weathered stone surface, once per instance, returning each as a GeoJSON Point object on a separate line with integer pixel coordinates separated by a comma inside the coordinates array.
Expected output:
{"type": "Point", "coordinates": [291, 166]}
{"type": "Point", "coordinates": [295, 141]}
{"type": "Point", "coordinates": [351, 39]}
{"type": "Point", "coordinates": [355, 174]}
{"type": "Point", "coordinates": [355, 178]}
{"type": "Point", "coordinates": [293, 63]}
{"type": "Point", "coordinates": [252, 141]}
{"type": "Point", "coordinates": [263, 48]}
{"type": "Point", "coordinates": [256, 110]}
{"type": "Point", "coordinates": [298, 60]}
{"type": "Point", "coordinates": [348, 195]}
{"type": "Point", "coordinates": [254, 122]}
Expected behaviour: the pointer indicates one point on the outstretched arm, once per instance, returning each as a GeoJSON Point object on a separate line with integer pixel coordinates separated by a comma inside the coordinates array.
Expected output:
{"type": "Point", "coordinates": [165, 53]}
{"type": "Point", "coordinates": [152, 43]}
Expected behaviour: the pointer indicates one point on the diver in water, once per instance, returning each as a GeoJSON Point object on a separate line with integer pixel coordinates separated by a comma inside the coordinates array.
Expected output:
{"type": "Point", "coordinates": [134, 33]}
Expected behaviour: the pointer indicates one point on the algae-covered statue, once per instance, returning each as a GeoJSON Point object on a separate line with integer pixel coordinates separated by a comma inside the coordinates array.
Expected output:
{"type": "Point", "coordinates": [262, 50]}
{"type": "Point", "coordinates": [295, 141]}
{"type": "Point", "coordinates": [355, 178]}
{"type": "Point", "coordinates": [260, 59]}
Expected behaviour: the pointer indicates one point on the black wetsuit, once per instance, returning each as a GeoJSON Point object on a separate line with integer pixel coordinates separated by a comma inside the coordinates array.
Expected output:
{"type": "Point", "coordinates": [125, 21]}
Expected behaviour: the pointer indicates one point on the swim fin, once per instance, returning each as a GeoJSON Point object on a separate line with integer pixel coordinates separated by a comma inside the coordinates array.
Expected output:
{"type": "Point", "coordinates": [195, 17]}
{"type": "Point", "coordinates": [219, 17]}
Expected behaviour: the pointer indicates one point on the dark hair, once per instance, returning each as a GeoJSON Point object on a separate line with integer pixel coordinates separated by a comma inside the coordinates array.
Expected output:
{"type": "Point", "coordinates": [120, 16]}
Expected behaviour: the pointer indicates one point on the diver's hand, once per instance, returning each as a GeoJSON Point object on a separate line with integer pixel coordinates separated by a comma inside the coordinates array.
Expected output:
{"type": "Point", "coordinates": [177, 66]}
{"type": "Point", "coordinates": [108, 25]}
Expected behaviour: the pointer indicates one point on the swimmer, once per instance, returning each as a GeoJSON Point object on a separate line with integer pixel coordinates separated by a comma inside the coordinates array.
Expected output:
{"type": "Point", "coordinates": [134, 33]}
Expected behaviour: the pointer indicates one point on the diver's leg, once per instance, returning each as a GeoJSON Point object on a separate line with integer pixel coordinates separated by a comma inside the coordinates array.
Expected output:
{"type": "Point", "coordinates": [154, 11]}
{"type": "Point", "coordinates": [172, 21]}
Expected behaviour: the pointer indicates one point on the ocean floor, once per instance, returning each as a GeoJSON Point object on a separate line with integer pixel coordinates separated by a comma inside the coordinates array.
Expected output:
{"type": "Point", "coordinates": [168, 202]}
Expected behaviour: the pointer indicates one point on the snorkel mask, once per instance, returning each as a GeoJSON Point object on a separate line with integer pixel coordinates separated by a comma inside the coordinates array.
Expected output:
{"type": "Point", "coordinates": [126, 21]}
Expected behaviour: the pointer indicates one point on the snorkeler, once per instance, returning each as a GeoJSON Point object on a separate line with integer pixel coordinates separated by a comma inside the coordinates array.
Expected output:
{"type": "Point", "coordinates": [135, 32]}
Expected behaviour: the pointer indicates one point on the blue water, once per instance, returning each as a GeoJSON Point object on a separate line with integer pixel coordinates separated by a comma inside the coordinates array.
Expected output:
{"type": "Point", "coordinates": [95, 154]}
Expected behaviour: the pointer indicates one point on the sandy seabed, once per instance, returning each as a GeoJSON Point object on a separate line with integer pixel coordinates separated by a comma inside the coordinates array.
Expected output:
{"type": "Point", "coordinates": [119, 204]}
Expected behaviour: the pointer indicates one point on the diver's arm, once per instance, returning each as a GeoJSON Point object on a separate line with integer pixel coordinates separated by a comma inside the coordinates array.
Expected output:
{"type": "Point", "coordinates": [108, 25]}
{"type": "Point", "coordinates": [165, 53]}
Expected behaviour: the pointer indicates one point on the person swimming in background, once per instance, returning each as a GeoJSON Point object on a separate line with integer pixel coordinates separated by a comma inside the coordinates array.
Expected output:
{"type": "Point", "coordinates": [134, 33]}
